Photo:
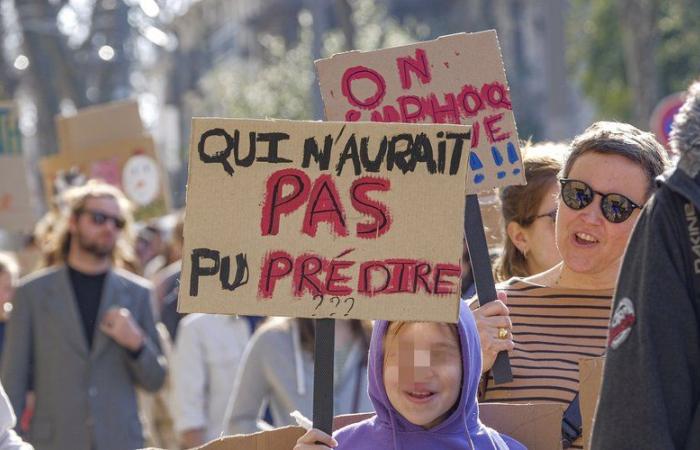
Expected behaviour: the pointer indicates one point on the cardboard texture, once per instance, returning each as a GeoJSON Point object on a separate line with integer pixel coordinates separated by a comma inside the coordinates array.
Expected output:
{"type": "Point", "coordinates": [16, 203]}
{"type": "Point", "coordinates": [350, 240]}
{"type": "Point", "coordinates": [458, 78]}
{"type": "Point", "coordinates": [590, 381]}
{"type": "Point", "coordinates": [131, 165]}
{"type": "Point", "coordinates": [537, 426]}
{"type": "Point", "coordinates": [97, 125]}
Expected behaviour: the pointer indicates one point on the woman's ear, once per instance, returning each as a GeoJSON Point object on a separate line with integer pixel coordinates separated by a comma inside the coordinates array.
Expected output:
{"type": "Point", "coordinates": [518, 236]}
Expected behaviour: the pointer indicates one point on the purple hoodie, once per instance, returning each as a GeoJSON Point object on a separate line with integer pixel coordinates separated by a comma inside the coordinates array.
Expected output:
{"type": "Point", "coordinates": [461, 430]}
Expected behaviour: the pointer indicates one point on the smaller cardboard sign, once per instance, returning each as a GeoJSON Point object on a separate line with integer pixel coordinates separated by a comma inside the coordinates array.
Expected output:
{"type": "Point", "coordinates": [97, 125]}
{"type": "Point", "coordinates": [590, 381]}
{"type": "Point", "coordinates": [16, 206]}
{"type": "Point", "coordinates": [458, 78]}
{"type": "Point", "coordinates": [130, 165]}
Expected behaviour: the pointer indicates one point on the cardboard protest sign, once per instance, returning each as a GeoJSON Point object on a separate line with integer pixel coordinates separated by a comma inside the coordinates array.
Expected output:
{"type": "Point", "coordinates": [453, 79]}
{"type": "Point", "coordinates": [324, 219]}
{"type": "Point", "coordinates": [537, 426]}
{"type": "Point", "coordinates": [131, 165]}
{"type": "Point", "coordinates": [16, 202]}
{"type": "Point", "coordinates": [16, 205]}
{"type": "Point", "coordinates": [97, 125]}
{"type": "Point", "coordinates": [590, 381]}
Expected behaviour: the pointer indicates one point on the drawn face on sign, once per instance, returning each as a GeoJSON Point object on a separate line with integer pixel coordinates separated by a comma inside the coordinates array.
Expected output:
{"type": "Point", "coordinates": [141, 179]}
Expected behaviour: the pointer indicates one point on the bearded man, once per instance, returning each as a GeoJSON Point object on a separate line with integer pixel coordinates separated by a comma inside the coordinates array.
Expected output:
{"type": "Point", "coordinates": [82, 335]}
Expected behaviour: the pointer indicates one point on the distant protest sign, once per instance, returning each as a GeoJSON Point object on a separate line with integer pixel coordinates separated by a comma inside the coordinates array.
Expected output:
{"type": "Point", "coordinates": [454, 79]}
{"type": "Point", "coordinates": [131, 165]}
{"type": "Point", "coordinates": [16, 206]}
{"type": "Point", "coordinates": [324, 219]}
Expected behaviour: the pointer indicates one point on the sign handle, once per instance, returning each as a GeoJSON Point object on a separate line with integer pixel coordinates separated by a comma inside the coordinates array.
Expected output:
{"type": "Point", "coordinates": [324, 346]}
{"type": "Point", "coordinates": [483, 275]}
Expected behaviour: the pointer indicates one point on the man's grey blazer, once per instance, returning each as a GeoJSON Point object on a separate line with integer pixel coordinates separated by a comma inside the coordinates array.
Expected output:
{"type": "Point", "coordinates": [85, 399]}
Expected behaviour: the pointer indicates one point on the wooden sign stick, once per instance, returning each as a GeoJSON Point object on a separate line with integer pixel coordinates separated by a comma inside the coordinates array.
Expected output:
{"type": "Point", "coordinates": [324, 346]}
{"type": "Point", "coordinates": [483, 276]}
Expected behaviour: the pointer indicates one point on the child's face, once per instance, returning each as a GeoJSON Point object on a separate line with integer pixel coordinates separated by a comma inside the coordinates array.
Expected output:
{"type": "Point", "coordinates": [422, 371]}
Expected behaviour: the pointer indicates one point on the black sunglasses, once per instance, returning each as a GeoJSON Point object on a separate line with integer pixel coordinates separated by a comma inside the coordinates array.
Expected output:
{"type": "Point", "coordinates": [100, 218]}
{"type": "Point", "coordinates": [577, 195]}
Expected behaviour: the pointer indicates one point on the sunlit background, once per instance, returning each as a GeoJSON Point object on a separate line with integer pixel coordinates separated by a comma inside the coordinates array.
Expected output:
{"type": "Point", "coordinates": [568, 62]}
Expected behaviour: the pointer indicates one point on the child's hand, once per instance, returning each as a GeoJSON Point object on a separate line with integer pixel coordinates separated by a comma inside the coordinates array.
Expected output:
{"type": "Point", "coordinates": [310, 439]}
{"type": "Point", "coordinates": [490, 318]}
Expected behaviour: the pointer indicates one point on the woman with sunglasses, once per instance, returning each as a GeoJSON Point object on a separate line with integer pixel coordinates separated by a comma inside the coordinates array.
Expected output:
{"type": "Point", "coordinates": [557, 317]}
{"type": "Point", "coordinates": [529, 213]}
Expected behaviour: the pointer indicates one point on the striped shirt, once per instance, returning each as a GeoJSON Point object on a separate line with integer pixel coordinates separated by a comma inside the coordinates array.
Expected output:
{"type": "Point", "coordinates": [553, 328]}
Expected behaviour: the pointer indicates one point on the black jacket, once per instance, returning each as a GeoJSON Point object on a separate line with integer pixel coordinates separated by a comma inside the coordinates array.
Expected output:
{"type": "Point", "coordinates": [650, 397]}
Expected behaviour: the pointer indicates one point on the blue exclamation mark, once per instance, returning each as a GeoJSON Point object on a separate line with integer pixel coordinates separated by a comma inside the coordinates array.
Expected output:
{"type": "Point", "coordinates": [475, 164]}
{"type": "Point", "coordinates": [498, 159]}
{"type": "Point", "coordinates": [513, 157]}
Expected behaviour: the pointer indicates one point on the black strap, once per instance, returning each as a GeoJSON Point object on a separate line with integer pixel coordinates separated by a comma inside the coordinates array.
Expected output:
{"type": "Point", "coordinates": [571, 424]}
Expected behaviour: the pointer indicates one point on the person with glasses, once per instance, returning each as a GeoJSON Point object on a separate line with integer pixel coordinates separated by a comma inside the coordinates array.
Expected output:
{"type": "Point", "coordinates": [529, 213]}
{"type": "Point", "coordinates": [82, 334]}
{"type": "Point", "coordinates": [652, 366]}
{"type": "Point", "coordinates": [559, 316]}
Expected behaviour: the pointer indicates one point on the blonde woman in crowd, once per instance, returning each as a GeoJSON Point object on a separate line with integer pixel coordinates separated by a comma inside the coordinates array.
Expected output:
{"type": "Point", "coordinates": [529, 213]}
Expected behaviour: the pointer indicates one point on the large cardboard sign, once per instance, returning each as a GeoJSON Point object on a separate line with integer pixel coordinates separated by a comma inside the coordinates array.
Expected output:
{"type": "Point", "coordinates": [537, 426]}
{"type": "Point", "coordinates": [324, 219]}
{"type": "Point", "coordinates": [590, 382]}
{"type": "Point", "coordinates": [454, 79]}
{"type": "Point", "coordinates": [131, 165]}
{"type": "Point", "coordinates": [16, 206]}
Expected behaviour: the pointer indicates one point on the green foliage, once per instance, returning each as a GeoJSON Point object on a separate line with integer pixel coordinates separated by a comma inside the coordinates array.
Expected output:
{"type": "Point", "coordinates": [276, 87]}
{"type": "Point", "coordinates": [597, 57]}
{"type": "Point", "coordinates": [280, 82]}
{"type": "Point", "coordinates": [678, 57]}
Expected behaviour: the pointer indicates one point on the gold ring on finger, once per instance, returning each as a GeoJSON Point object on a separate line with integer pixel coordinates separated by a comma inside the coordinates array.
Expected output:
{"type": "Point", "coordinates": [502, 333]}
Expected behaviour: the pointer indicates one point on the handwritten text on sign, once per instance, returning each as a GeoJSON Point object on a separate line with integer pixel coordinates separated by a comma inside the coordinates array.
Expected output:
{"type": "Point", "coordinates": [453, 79]}
{"type": "Point", "coordinates": [324, 219]}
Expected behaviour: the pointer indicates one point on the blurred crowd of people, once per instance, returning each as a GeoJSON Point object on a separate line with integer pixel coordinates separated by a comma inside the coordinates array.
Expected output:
{"type": "Point", "coordinates": [96, 356]}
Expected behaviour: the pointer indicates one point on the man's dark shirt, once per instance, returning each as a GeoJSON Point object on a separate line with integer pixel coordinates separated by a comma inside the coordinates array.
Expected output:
{"type": "Point", "coordinates": [88, 292]}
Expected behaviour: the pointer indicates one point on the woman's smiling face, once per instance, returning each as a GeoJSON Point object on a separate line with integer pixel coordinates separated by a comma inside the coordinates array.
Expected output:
{"type": "Point", "coordinates": [587, 241]}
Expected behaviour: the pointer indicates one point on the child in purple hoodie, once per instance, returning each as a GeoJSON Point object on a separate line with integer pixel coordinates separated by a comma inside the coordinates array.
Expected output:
{"type": "Point", "coordinates": [423, 380]}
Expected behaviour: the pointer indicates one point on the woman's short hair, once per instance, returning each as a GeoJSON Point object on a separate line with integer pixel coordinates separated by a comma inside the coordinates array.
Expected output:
{"type": "Point", "coordinates": [623, 139]}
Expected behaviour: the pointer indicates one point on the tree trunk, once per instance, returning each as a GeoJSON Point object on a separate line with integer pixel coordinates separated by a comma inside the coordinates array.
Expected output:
{"type": "Point", "coordinates": [639, 39]}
